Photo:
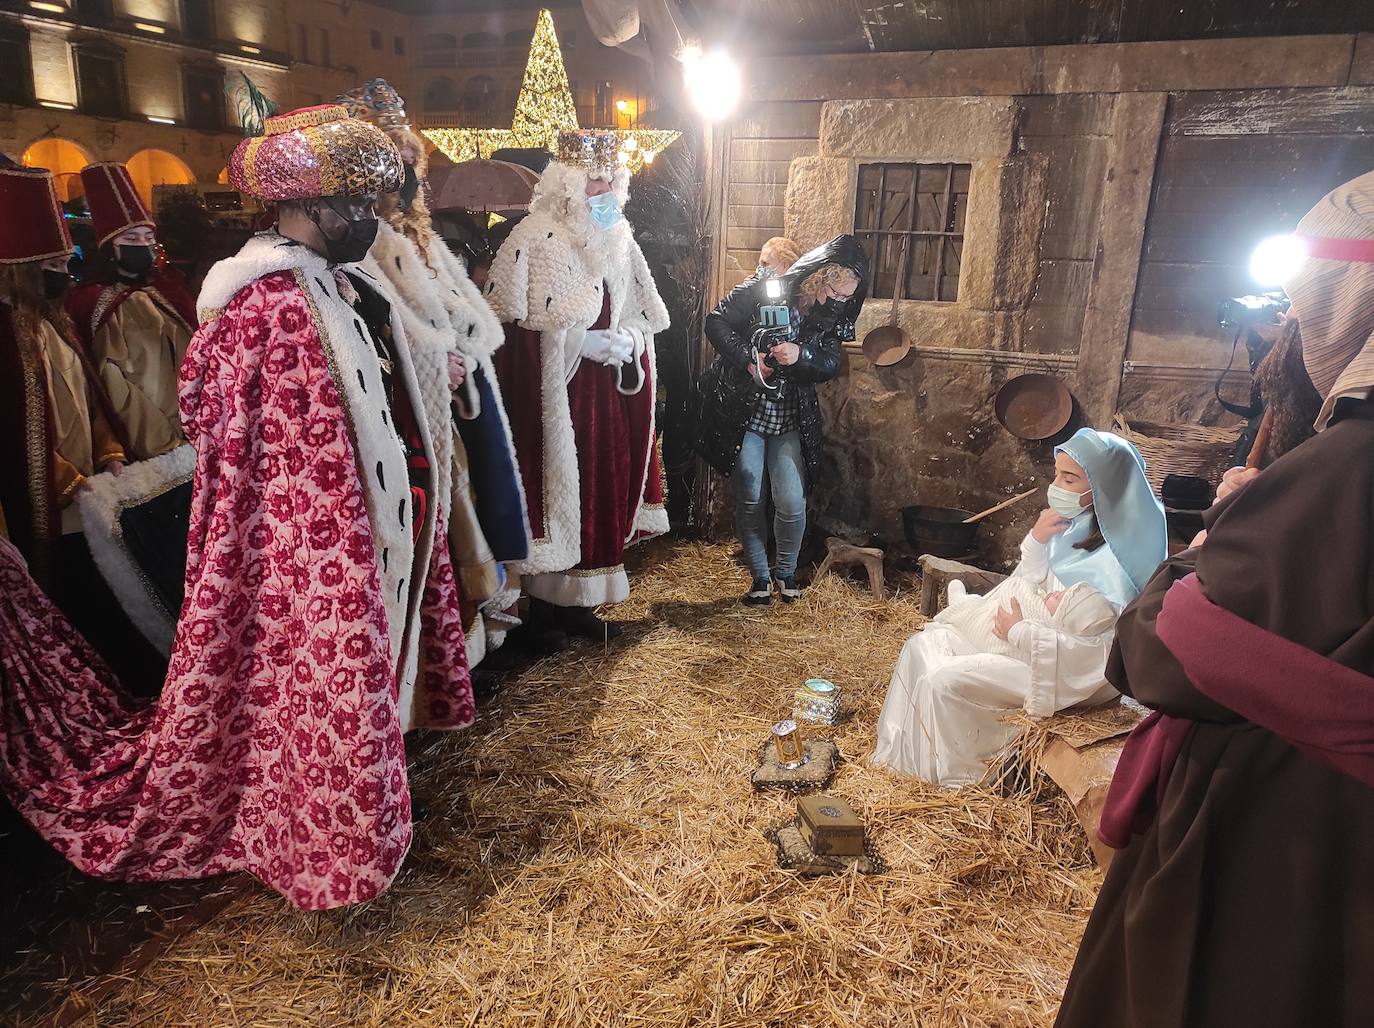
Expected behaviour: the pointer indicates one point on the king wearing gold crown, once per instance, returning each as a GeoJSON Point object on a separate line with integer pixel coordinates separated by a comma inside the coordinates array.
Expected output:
{"type": "Point", "coordinates": [580, 310]}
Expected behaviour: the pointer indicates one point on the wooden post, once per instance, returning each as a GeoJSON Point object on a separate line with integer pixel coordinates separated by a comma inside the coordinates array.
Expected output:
{"type": "Point", "coordinates": [716, 148]}
{"type": "Point", "coordinates": [1132, 155]}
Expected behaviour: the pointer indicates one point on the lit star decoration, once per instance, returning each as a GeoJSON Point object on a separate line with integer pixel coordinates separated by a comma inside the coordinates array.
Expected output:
{"type": "Point", "coordinates": [545, 108]}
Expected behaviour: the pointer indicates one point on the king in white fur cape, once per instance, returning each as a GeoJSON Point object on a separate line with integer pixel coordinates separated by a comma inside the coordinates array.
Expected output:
{"type": "Point", "coordinates": [584, 431]}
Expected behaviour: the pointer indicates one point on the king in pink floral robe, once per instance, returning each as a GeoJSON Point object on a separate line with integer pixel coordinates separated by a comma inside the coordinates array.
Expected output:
{"type": "Point", "coordinates": [276, 746]}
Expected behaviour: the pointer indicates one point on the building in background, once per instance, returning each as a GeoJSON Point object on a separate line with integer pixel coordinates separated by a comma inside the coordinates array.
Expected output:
{"type": "Point", "coordinates": [153, 83]}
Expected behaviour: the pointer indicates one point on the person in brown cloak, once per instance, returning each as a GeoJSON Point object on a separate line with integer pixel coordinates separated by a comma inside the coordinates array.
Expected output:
{"type": "Point", "coordinates": [1245, 802]}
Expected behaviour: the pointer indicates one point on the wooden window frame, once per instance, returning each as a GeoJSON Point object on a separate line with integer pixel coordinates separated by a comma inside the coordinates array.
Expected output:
{"type": "Point", "coordinates": [17, 34]}
{"type": "Point", "coordinates": [208, 70]}
{"type": "Point", "coordinates": [947, 236]}
{"type": "Point", "coordinates": [97, 49]}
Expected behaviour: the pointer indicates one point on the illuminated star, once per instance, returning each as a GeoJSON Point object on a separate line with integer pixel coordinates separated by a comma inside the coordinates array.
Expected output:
{"type": "Point", "coordinates": [543, 109]}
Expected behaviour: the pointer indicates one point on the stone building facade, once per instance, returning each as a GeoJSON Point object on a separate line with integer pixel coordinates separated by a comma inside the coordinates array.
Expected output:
{"type": "Point", "coordinates": [1114, 193]}
{"type": "Point", "coordinates": [144, 81]}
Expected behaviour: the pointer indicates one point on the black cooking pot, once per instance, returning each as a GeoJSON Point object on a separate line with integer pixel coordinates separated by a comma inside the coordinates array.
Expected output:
{"type": "Point", "coordinates": [939, 531]}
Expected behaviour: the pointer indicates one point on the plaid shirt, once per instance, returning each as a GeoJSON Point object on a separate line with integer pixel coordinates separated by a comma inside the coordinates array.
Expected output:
{"type": "Point", "coordinates": [776, 413]}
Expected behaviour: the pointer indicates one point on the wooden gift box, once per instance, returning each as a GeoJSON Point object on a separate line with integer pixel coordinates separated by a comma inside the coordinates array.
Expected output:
{"type": "Point", "coordinates": [830, 826]}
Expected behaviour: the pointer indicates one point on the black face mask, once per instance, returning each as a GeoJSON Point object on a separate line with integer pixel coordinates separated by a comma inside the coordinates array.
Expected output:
{"type": "Point", "coordinates": [134, 261]}
{"type": "Point", "coordinates": [410, 188]}
{"type": "Point", "coordinates": [55, 283]}
{"type": "Point", "coordinates": [345, 241]}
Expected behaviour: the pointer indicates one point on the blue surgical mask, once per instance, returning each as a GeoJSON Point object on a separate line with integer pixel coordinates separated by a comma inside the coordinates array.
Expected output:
{"type": "Point", "coordinates": [605, 209]}
{"type": "Point", "coordinates": [1065, 502]}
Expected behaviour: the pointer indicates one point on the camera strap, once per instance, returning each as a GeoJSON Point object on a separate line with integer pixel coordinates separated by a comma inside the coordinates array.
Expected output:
{"type": "Point", "coordinates": [1246, 411]}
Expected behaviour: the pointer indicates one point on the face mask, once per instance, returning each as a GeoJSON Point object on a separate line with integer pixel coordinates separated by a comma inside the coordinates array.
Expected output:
{"type": "Point", "coordinates": [55, 283]}
{"type": "Point", "coordinates": [134, 261]}
{"type": "Point", "coordinates": [605, 209]}
{"type": "Point", "coordinates": [410, 188]}
{"type": "Point", "coordinates": [345, 241]}
{"type": "Point", "coordinates": [1064, 502]}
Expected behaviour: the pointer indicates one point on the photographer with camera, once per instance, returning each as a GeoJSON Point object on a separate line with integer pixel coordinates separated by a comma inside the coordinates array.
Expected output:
{"type": "Point", "coordinates": [776, 339]}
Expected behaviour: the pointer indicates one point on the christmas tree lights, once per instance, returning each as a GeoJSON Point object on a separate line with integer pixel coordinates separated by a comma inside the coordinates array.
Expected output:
{"type": "Point", "coordinates": [543, 109]}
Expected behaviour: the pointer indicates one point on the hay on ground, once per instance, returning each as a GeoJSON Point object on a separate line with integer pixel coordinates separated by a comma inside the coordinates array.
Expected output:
{"type": "Point", "coordinates": [595, 855]}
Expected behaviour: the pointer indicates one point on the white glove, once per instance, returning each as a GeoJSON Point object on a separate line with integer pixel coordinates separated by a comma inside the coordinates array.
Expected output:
{"type": "Point", "coordinates": [607, 346]}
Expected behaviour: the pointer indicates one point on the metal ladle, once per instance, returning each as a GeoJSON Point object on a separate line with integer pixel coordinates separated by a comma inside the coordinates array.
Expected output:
{"type": "Point", "coordinates": [889, 344]}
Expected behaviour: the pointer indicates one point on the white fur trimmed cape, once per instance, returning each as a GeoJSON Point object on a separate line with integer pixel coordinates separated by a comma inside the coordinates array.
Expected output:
{"type": "Point", "coordinates": [443, 313]}
{"type": "Point", "coordinates": [547, 279]}
{"type": "Point", "coordinates": [402, 559]}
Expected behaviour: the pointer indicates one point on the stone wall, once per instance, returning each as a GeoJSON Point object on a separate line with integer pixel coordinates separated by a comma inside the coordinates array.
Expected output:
{"type": "Point", "coordinates": [1106, 218]}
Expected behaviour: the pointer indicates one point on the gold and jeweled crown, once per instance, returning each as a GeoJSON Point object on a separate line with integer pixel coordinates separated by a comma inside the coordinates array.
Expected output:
{"type": "Point", "coordinates": [589, 149]}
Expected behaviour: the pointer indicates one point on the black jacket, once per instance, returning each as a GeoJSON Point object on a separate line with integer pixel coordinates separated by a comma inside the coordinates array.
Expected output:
{"type": "Point", "coordinates": [727, 392]}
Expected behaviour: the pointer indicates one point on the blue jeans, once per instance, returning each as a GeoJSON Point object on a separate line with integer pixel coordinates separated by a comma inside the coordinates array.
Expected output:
{"type": "Point", "coordinates": [781, 457]}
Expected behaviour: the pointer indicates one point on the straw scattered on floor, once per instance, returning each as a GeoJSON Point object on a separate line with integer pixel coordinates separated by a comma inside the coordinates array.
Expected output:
{"type": "Point", "coordinates": [594, 856]}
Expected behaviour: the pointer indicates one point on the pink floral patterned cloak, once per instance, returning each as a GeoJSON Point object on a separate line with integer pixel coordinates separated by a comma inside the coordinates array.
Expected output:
{"type": "Point", "coordinates": [276, 746]}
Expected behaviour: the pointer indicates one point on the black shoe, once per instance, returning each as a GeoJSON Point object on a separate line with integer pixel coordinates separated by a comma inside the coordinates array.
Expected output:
{"type": "Point", "coordinates": [760, 594]}
{"type": "Point", "coordinates": [788, 590]}
{"type": "Point", "coordinates": [582, 621]}
{"type": "Point", "coordinates": [486, 683]}
{"type": "Point", "coordinates": [536, 641]}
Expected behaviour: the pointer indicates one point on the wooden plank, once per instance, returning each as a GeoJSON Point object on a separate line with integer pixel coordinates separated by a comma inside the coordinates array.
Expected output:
{"type": "Point", "coordinates": [1236, 63]}
{"type": "Point", "coordinates": [1064, 283]}
{"type": "Point", "coordinates": [1073, 114]}
{"type": "Point", "coordinates": [1252, 63]}
{"type": "Point", "coordinates": [773, 149]}
{"type": "Point", "coordinates": [1050, 329]}
{"type": "Point", "coordinates": [748, 238]}
{"type": "Point", "coordinates": [764, 173]}
{"type": "Point", "coordinates": [1077, 170]}
{"type": "Point", "coordinates": [1002, 72]}
{"type": "Point", "coordinates": [1362, 65]}
{"type": "Point", "coordinates": [1347, 111]}
{"type": "Point", "coordinates": [755, 194]}
{"type": "Point", "coordinates": [786, 120]}
{"type": "Point", "coordinates": [745, 216]}
{"type": "Point", "coordinates": [1137, 124]}
{"type": "Point", "coordinates": [742, 260]}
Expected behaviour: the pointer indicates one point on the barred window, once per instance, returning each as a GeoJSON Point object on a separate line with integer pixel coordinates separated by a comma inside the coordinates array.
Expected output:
{"type": "Point", "coordinates": [920, 206]}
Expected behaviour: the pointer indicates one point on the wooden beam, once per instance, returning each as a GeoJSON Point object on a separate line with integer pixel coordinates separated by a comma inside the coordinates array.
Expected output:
{"type": "Point", "coordinates": [1133, 153]}
{"type": "Point", "coordinates": [1251, 63]}
{"type": "Point", "coordinates": [1344, 111]}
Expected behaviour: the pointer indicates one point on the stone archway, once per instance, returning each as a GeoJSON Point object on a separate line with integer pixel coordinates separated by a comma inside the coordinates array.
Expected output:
{"type": "Point", "coordinates": [64, 159]}
{"type": "Point", "coordinates": [151, 167]}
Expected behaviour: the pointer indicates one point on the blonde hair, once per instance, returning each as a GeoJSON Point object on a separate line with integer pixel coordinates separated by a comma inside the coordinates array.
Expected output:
{"type": "Point", "coordinates": [836, 275]}
{"type": "Point", "coordinates": [414, 223]}
{"type": "Point", "coordinates": [783, 249]}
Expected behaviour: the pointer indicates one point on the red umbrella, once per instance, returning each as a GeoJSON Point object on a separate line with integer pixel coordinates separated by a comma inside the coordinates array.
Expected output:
{"type": "Point", "coordinates": [482, 185]}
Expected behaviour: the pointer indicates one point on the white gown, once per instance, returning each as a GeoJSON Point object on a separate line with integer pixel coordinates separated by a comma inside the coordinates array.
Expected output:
{"type": "Point", "coordinates": [944, 714]}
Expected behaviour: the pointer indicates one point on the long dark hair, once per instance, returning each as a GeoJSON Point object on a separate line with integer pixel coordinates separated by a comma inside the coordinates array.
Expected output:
{"type": "Point", "coordinates": [1095, 538]}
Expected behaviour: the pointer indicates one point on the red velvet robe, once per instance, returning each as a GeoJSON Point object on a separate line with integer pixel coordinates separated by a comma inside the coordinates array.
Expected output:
{"type": "Point", "coordinates": [617, 461]}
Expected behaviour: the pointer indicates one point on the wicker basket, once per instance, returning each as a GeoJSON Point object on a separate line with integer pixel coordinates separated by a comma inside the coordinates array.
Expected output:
{"type": "Point", "coordinates": [1180, 449]}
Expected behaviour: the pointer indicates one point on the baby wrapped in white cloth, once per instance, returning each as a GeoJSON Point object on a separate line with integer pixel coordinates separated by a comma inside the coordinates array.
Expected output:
{"type": "Point", "coordinates": [1078, 610]}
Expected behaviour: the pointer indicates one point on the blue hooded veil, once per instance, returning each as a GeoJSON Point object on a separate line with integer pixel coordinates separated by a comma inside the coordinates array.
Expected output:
{"type": "Point", "coordinates": [1131, 520]}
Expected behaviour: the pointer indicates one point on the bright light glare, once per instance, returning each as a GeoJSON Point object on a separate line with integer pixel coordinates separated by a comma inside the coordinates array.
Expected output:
{"type": "Point", "coordinates": [773, 288]}
{"type": "Point", "coordinates": [713, 82]}
{"type": "Point", "coordinates": [1275, 259]}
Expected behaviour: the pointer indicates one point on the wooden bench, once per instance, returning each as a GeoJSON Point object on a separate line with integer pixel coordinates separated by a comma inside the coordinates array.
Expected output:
{"type": "Point", "coordinates": [938, 572]}
{"type": "Point", "coordinates": [840, 553]}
